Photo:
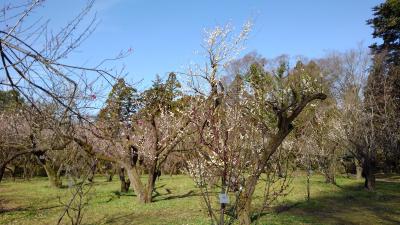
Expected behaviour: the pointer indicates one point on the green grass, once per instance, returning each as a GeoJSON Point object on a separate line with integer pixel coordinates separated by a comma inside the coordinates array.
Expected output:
{"type": "Point", "coordinates": [34, 202]}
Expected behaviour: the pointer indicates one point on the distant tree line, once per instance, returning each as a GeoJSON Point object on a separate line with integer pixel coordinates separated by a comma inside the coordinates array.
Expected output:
{"type": "Point", "coordinates": [231, 123]}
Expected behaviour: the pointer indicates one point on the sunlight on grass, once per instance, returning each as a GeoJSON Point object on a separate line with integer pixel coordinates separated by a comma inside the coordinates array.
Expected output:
{"type": "Point", "coordinates": [34, 202]}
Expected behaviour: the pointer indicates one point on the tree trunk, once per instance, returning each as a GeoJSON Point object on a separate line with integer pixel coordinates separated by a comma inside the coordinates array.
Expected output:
{"type": "Point", "coordinates": [93, 169]}
{"type": "Point", "coordinates": [137, 184]}
{"type": "Point", "coordinates": [55, 181]}
{"type": "Point", "coordinates": [330, 170]}
{"type": "Point", "coordinates": [53, 175]}
{"type": "Point", "coordinates": [153, 174]}
{"type": "Point", "coordinates": [3, 166]}
{"type": "Point", "coordinates": [308, 183]}
{"type": "Point", "coordinates": [359, 170]}
{"type": "Point", "coordinates": [124, 183]}
{"type": "Point", "coordinates": [397, 166]}
{"type": "Point", "coordinates": [109, 176]}
{"type": "Point", "coordinates": [13, 170]}
{"type": "Point", "coordinates": [222, 207]}
{"type": "Point", "coordinates": [173, 170]}
{"type": "Point", "coordinates": [330, 178]}
{"type": "Point", "coordinates": [244, 209]}
{"type": "Point", "coordinates": [2, 170]}
{"type": "Point", "coordinates": [109, 171]}
{"type": "Point", "coordinates": [244, 215]}
{"type": "Point", "coordinates": [370, 182]}
{"type": "Point", "coordinates": [330, 174]}
{"type": "Point", "coordinates": [280, 171]}
{"type": "Point", "coordinates": [245, 198]}
{"type": "Point", "coordinates": [368, 172]}
{"type": "Point", "coordinates": [26, 172]}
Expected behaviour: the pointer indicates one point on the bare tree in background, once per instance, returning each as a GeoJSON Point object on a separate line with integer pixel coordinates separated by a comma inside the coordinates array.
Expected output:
{"type": "Point", "coordinates": [25, 131]}
{"type": "Point", "coordinates": [32, 57]}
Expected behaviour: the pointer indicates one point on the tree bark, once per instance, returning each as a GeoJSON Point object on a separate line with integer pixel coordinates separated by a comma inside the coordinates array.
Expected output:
{"type": "Point", "coordinates": [330, 178]}
{"type": "Point", "coordinates": [244, 215]}
{"type": "Point", "coordinates": [53, 175]}
{"type": "Point", "coordinates": [137, 184]}
{"type": "Point", "coordinates": [109, 171]}
{"type": "Point", "coordinates": [223, 206]}
{"type": "Point", "coordinates": [124, 183]}
{"type": "Point", "coordinates": [2, 170]}
{"type": "Point", "coordinates": [93, 168]}
{"type": "Point", "coordinates": [369, 176]}
{"type": "Point", "coordinates": [308, 183]}
{"type": "Point", "coordinates": [13, 170]}
{"type": "Point", "coordinates": [359, 172]}
{"type": "Point", "coordinates": [245, 199]}
{"type": "Point", "coordinates": [330, 173]}
{"type": "Point", "coordinates": [285, 127]}
{"type": "Point", "coordinates": [27, 172]}
{"type": "Point", "coordinates": [359, 169]}
{"type": "Point", "coordinates": [153, 174]}
{"type": "Point", "coordinates": [244, 206]}
{"type": "Point", "coordinates": [109, 176]}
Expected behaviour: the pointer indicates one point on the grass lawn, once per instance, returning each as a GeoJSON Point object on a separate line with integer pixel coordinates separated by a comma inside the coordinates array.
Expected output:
{"type": "Point", "coordinates": [34, 202]}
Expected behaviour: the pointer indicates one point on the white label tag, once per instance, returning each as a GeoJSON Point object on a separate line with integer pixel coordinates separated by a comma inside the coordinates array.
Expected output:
{"type": "Point", "coordinates": [223, 198]}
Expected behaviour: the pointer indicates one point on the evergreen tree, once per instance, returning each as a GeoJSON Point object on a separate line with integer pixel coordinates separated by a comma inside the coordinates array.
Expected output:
{"type": "Point", "coordinates": [9, 99]}
{"type": "Point", "coordinates": [386, 25]}
{"type": "Point", "coordinates": [121, 104]}
{"type": "Point", "coordinates": [161, 97]}
{"type": "Point", "coordinates": [382, 95]}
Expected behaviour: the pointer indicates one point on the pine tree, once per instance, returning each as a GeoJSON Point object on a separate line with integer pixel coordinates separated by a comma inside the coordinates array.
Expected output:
{"type": "Point", "coordinates": [161, 96]}
{"type": "Point", "coordinates": [382, 95]}
{"type": "Point", "coordinates": [121, 104]}
{"type": "Point", "coordinates": [386, 25]}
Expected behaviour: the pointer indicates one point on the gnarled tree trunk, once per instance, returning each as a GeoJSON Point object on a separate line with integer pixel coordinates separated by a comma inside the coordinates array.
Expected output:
{"type": "Point", "coordinates": [53, 175]}
{"type": "Point", "coordinates": [125, 183]}
{"type": "Point", "coordinates": [93, 168]}
{"type": "Point", "coordinates": [369, 176]}
{"type": "Point", "coordinates": [137, 184]}
{"type": "Point", "coordinates": [109, 171]}
{"type": "Point", "coordinates": [330, 172]}
{"type": "Point", "coordinates": [153, 174]}
{"type": "Point", "coordinates": [285, 127]}
{"type": "Point", "coordinates": [245, 199]}
{"type": "Point", "coordinates": [144, 192]}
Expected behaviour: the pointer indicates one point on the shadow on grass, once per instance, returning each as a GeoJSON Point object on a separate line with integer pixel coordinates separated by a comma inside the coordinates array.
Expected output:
{"type": "Point", "coordinates": [156, 197]}
{"type": "Point", "coordinates": [190, 193]}
{"type": "Point", "coordinates": [350, 204]}
{"type": "Point", "coordinates": [16, 209]}
{"type": "Point", "coordinates": [5, 209]}
{"type": "Point", "coordinates": [128, 218]}
{"type": "Point", "coordinates": [121, 194]}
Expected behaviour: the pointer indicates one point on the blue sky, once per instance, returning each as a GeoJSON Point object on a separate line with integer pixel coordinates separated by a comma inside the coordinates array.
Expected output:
{"type": "Point", "coordinates": [164, 35]}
